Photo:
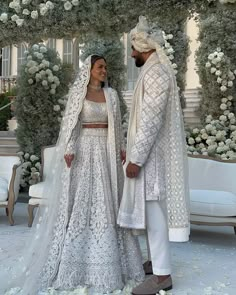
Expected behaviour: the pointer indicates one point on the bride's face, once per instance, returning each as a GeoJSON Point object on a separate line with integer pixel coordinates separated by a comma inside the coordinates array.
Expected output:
{"type": "Point", "coordinates": [99, 70]}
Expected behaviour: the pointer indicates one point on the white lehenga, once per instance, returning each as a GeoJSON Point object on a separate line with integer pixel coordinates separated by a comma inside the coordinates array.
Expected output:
{"type": "Point", "coordinates": [75, 239]}
{"type": "Point", "coordinates": [96, 252]}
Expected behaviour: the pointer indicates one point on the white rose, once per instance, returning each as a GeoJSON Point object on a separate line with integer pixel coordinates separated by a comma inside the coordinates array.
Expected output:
{"type": "Point", "coordinates": [49, 5]}
{"type": "Point", "coordinates": [203, 131]}
{"type": "Point", "coordinates": [15, 17]}
{"type": "Point", "coordinates": [219, 150]}
{"type": "Point", "coordinates": [67, 5]}
{"type": "Point", "coordinates": [208, 127]}
{"type": "Point", "coordinates": [19, 22]}
{"type": "Point", "coordinates": [204, 136]}
{"type": "Point", "coordinates": [43, 10]}
{"type": "Point", "coordinates": [213, 70]}
{"type": "Point", "coordinates": [56, 107]}
{"type": "Point", "coordinates": [211, 56]}
{"type": "Point", "coordinates": [218, 73]}
{"type": "Point", "coordinates": [219, 80]}
{"type": "Point", "coordinates": [45, 83]}
{"type": "Point", "coordinates": [230, 84]}
{"type": "Point", "coordinates": [231, 115]}
{"type": "Point", "coordinates": [228, 141]}
{"type": "Point", "coordinates": [26, 156]}
{"type": "Point", "coordinates": [191, 141]}
{"type": "Point", "coordinates": [4, 17]}
{"type": "Point", "coordinates": [230, 97]}
{"type": "Point", "coordinates": [35, 47]}
{"type": "Point", "coordinates": [224, 99]}
{"type": "Point", "coordinates": [171, 57]}
{"type": "Point", "coordinates": [52, 91]}
{"type": "Point", "coordinates": [42, 73]}
{"type": "Point", "coordinates": [170, 36]}
{"type": "Point", "coordinates": [223, 118]}
{"type": "Point", "coordinates": [25, 2]}
{"type": "Point", "coordinates": [232, 121]}
{"type": "Point", "coordinates": [55, 68]}
{"type": "Point", "coordinates": [53, 86]}
{"type": "Point", "coordinates": [43, 49]}
{"type": "Point", "coordinates": [34, 158]}
{"type": "Point", "coordinates": [229, 103]}
{"type": "Point", "coordinates": [223, 106]}
{"type": "Point", "coordinates": [30, 81]}
{"type": "Point", "coordinates": [75, 2]}
{"type": "Point", "coordinates": [198, 139]}
{"type": "Point", "coordinates": [221, 54]}
{"type": "Point", "coordinates": [34, 14]}
{"type": "Point", "coordinates": [226, 112]}
{"type": "Point", "coordinates": [195, 131]}
{"type": "Point", "coordinates": [208, 64]}
{"type": "Point", "coordinates": [26, 11]}
{"type": "Point", "coordinates": [50, 79]}
{"type": "Point", "coordinates": [223, 88]}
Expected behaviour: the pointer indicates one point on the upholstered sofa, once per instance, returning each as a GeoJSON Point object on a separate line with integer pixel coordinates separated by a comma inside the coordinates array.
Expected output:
{"type": "Point", "coordinates": [10, 174]}
{"type": "Point", "coordinates": [212, 191]}
{"type": "Point", "coordinates": [36, 190]}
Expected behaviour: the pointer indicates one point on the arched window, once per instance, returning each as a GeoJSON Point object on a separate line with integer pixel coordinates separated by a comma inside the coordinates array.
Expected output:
{"type": "Point", "coordinates": [51, 43]}
{"type": "Point", "coordinates": [68, 51]}
{"type": "Point", "coordinates": [21, 55]}
{"type": "Point", "coordinates": [6, 61]}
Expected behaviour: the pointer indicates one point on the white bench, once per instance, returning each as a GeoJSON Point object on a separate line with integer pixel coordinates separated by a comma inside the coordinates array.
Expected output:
{"type": "Point", "coordinates": [36, 190]}
{"type": "Point", "coordinates": [212, 185]}
{"type": "Point", "coordinates": [10, 174]}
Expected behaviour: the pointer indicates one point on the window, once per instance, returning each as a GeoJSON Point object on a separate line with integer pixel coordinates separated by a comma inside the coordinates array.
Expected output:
{"type": "Point", "coordinates": [52, 43]}
{"type": "Point", "coordinates": [6, 61]}
{"type": "Point", "coordinates": [68, 51]}
{"type": "Point", "coordinates": [20, 55]}
{"type": "Point", "coordinates": [132, 70]}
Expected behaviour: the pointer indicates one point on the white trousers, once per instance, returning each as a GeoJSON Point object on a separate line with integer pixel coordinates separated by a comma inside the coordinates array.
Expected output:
{"type": "Point", "coordinates": [157, 237]}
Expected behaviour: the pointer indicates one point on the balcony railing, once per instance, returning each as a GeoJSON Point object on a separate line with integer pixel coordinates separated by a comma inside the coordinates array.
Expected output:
{"type": "Point", "coordinates": [7, 83]}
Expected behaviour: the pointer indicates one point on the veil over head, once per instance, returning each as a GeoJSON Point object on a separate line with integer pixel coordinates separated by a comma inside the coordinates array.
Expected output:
{"type": "Point", "coordinates": [27, 272]}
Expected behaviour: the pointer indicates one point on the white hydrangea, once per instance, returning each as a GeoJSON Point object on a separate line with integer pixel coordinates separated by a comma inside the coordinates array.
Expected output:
{"type": "Point", "coordinates": [52, 91]}
{"type": "Point", "coordinates": [223, 88]}
{"type": "Point", "coordinates": [191, 141]}
{"type": "Point", "coordinates": [30, 81]}
{"type": "Point", "coordinates": [34, 14]}
{"type": "Point", "coordinates": [223, 106]}
{"type": "Point", "coordinates": [45, 83]}
{"type": "Point", "coordinates": [43, 49]}
{"type": "Point", "coordinates": [20, 22]}
{"type": "Point", "coordinates": [14, 17]}
{"type": "Point", "coordinates": [26, 11]}
{"type": "Point", "coordinates": [4, 17]}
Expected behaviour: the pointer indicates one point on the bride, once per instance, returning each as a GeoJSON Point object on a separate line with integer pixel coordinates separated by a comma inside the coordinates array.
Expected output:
{"type": "Point", "coordinates": [77, 241]}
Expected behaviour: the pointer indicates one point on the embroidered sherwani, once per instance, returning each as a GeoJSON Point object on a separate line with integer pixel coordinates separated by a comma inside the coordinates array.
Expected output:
{"type": "Point", "coordinates": [156, 142]}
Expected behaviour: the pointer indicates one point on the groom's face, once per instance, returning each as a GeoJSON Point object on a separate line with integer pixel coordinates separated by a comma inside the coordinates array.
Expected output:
{"type": "Point", "coordinates": [138, 57]}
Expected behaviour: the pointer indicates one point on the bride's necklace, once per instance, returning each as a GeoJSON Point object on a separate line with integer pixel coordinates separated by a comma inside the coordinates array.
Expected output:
{"type": "Point", "coordinates": [97, 88]}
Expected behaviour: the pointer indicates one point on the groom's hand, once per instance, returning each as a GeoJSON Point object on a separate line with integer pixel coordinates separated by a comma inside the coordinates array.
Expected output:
{"type": "Point", "coordinates": [132, 170]}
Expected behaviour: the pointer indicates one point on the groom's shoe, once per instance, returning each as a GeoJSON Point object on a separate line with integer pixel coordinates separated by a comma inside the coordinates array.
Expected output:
{"type": "Point", "coordinates": [147, 267]}
{"type": "Point", "coordinates": [151, 286]}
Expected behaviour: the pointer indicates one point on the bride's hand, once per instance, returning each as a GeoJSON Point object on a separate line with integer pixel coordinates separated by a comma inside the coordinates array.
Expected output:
{"type": "Point", "coordinates": [69, 158]}
{"type": "Point", "coordinates": [123, 157]}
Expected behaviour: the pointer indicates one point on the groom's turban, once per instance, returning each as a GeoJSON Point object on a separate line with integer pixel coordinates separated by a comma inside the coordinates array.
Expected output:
{"type": "Point", "coordinates": [144, 38]}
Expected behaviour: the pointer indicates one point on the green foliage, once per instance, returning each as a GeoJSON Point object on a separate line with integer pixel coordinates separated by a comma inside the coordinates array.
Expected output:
{"type": "Point", "coordinates": [5, 114]}
{"type": "Point", "coordinates": [113, 52]}
{"type": "Point", "coordinates": [216, 30]}
{"type": "Point", "coordinates": [38, 108]}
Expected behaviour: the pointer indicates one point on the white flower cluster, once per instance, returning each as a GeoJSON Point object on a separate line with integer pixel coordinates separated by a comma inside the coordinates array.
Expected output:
{"type": "Point", "coordinates": [217, 63]}
{"type": "Point", "coordinates": [31, 169]}
{"type": "Point", "coordinates": [227, 1]}
{"type": "Point", "coordinates": [218, 137]}
{"type": "Point", "coordinates": [169, 50]}
{"type": "Point", "coordinates": [40, 70]}
{"type": "Point", "coordinates": [22, 11]}
{"type": "Point", "coordinates": [68, 5]}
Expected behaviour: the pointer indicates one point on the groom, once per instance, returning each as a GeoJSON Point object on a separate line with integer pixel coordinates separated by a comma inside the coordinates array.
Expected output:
{"type": "Point", "coordinates": [155, 192]}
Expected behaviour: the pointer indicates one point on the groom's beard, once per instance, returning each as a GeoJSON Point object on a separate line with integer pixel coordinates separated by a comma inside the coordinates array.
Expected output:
{"type": "Point", "coordinates": [139, 61]}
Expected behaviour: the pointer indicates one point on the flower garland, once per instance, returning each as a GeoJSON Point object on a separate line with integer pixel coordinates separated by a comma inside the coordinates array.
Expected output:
{"type": "Point", "coordinates": [218, 137]}
{"type": "Point", "coordinates": [31, 168]}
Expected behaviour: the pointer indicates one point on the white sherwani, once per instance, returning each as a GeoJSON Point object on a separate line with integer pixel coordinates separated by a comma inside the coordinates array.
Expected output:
{"type": "Point", "coordinates": [156, 142]}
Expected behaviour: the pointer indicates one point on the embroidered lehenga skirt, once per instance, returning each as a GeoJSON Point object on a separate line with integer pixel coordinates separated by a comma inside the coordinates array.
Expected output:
{"type": "Point", "coordinates": [96, 252]}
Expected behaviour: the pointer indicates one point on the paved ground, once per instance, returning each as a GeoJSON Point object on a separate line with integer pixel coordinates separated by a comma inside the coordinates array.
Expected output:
{"type": "Point", "coordinates": [206, 265]}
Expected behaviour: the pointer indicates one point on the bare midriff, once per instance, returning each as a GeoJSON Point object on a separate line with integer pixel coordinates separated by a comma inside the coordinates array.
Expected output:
{"type": "Point", "coordinates": [95, 125]}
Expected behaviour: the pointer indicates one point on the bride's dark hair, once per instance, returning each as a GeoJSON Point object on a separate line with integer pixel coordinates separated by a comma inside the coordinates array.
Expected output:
{"type": "Point", "coordinates": [95, 58]}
